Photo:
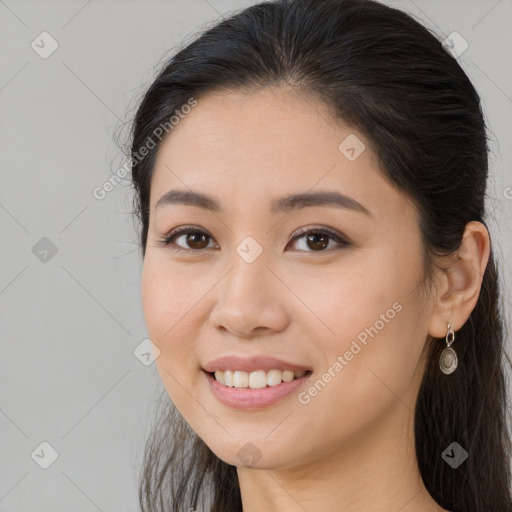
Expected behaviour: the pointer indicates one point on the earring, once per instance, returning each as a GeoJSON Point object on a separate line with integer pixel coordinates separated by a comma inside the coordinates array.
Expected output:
{"type": "Point", "coordinates": [448, 359]}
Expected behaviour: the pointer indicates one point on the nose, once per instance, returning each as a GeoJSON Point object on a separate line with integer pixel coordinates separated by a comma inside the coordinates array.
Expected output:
{"type": "Point", "coordinates": [250, 300]}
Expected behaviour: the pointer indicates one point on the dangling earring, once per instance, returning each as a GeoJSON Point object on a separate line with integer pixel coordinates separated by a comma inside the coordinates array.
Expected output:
{"type": "Point", "coordinates": [448, 359]}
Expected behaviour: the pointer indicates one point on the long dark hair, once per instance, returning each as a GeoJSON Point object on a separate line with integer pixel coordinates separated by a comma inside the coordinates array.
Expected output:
{"type": "Point", "coordinates": [379, 70]}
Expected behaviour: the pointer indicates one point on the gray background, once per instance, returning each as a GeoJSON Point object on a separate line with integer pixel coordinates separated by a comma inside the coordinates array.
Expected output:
{"type": "Point", "coordinates": [70, 321]}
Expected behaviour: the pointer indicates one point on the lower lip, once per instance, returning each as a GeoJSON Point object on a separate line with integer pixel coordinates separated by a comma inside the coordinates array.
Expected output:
{"type": "Point", "coordinates": [248, 398]}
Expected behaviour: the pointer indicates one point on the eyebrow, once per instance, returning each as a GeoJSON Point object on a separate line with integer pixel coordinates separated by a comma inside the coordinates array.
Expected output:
{"type": "Point", "coordinates": [282, 204]}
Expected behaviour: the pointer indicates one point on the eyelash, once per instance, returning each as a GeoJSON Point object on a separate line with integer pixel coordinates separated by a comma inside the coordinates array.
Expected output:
{"type": "Point", "coordinates": [167, 241]}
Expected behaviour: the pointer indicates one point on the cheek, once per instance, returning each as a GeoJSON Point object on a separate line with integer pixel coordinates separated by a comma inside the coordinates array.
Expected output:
{"type": "Point", "coordinates": [168, 299]}
{"type": "Point", "coordinates": [159, 292]}
{"type": "Point", "coordinates": [344, 300]}
{"type": "Point", "coordinates": [168, 294]}
{"type": "Point", "coordinates": [373, 315]}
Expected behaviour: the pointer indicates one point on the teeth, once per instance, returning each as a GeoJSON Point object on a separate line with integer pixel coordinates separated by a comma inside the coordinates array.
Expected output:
{"type": "Point", "coordinates": [228, 378]}
{"type": "Point", "coordinates": [240, 379]}
{"type": "Point", "coordinates": [257, 379]}
{"type": "Point", "coordinates": [274, 377]}
{"type": "Point", "coordinates": [288, 376]}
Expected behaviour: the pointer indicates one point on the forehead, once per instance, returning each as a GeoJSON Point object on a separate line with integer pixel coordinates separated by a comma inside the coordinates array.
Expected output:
{"type": "Point", "coordinates": [236, 125]}
{"type": "Point", "coordinates": [244, 147]}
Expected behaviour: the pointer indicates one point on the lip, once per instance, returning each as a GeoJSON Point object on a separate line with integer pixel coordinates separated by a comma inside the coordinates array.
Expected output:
{"type": "Point", "coordinates": [252, 364]}
{"type": "Point", "coordinates": [252, 399]}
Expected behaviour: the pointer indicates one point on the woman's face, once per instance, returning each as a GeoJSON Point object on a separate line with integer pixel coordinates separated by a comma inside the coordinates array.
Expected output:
{"type": "Point", "coordinates": [245, 283]}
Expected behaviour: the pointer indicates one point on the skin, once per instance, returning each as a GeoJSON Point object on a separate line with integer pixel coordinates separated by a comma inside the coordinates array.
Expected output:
{"type": "Point", "coordinates": [351, 447]}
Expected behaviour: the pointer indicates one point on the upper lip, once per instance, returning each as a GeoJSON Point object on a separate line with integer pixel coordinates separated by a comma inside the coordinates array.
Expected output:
{"type": "Point", "coordinates": [251, 364]}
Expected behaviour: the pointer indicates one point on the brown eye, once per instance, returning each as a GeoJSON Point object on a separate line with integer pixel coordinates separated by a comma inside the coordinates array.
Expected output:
{"type": "Point", "coordinates": [193, 239]}
{"type": "Point", "coordinates": [318, 240]}
{"type": "Point", "coordinates": [196, 240]}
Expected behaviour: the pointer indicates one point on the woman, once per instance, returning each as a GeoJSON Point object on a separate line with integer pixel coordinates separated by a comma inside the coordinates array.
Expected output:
{"type": "Point", "coordinates": [318, 279]}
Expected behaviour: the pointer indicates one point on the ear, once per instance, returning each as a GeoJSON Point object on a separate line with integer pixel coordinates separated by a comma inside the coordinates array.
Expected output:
{"type": "Point", "coordinates": [459, 285]}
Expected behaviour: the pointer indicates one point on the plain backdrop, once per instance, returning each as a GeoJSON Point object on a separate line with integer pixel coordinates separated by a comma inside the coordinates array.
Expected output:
{"type": "Point", "coordinates": [73, 394]}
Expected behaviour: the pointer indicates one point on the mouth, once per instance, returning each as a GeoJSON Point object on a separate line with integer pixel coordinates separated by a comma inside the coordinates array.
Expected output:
{"type": "Point", "coordinates": [251, 390]}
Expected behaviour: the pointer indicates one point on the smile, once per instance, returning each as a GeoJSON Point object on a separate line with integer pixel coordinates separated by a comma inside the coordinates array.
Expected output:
{"type": "Point", "coordinates": [247, 397]}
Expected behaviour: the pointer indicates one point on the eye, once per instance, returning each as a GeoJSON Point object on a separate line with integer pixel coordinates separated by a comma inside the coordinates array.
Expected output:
{"type": "Point", "coordinates": [192, 236]}
{"type": "Point", "coordinates": [315, 239]}
{"type": "Point", "coordinates": [318, 239]}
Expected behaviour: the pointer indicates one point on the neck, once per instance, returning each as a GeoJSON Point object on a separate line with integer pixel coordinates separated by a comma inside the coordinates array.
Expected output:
{"type": "Point", "coordinates": [378, 471]}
